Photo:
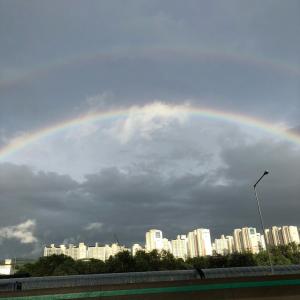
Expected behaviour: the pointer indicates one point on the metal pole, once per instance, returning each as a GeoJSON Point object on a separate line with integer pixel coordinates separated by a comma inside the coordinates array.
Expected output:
{"type": "Point", "coordinates": [262, 222]}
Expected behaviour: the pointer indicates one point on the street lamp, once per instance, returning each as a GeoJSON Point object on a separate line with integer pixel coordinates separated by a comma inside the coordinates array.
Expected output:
{"type": "Point", "coordinates": [261, 218]}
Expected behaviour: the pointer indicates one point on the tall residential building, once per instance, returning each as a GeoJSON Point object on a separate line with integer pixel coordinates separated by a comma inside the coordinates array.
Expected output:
{"type": "Point", "coordinates": [237, 238]}
{"type": "Point", "coordinates": [273, 236]}
{"type": "Point", "coordinates": [179, 247]}
{"type": "Point", "coordinates": [167, 245]}
{"type": "Point", "coordinates": [199, 243]}
{"type": "Point", "coordinates": [230, 242]}
{"type": "Point", "coordinates": [223, 245]}
{"type": "Point", "coordinates": [249, 240]}
{"type": "Point", "coordinates": [154, 240]}
{"type": "Point", "coordinates": [261, 241]}
{"type": "Point", "coordinates": [281, 235]}
{"type": "Point", "coordinates": [290, 234]}
{"type": "Point", "coordinates": [246, 240]}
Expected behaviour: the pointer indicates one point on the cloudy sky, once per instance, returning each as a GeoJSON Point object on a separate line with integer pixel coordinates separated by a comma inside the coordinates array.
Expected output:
{"type": "Point", "coordinates": [157, 165]}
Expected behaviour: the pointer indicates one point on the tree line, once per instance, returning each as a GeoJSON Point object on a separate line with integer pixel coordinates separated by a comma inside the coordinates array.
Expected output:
{"type": "Point", "coordinates": [57, 265]}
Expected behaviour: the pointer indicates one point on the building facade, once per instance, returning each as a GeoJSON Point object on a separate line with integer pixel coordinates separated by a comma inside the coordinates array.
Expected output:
{"type": "Point", "coordinates": [199, 243]}
{"type": "Point", "coordinates": [83, 251]}
{"type": "Point", "coordinates": [284, 235]}
{"type": "Point", "coordinates": [154, 240]}
{"type": "Point", "coordinates": [179, 247]}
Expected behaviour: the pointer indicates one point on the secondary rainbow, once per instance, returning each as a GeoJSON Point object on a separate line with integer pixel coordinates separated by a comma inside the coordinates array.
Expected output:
{"type": "Point", "coordinates": [21, 142]}
{"type": "Point", "coordinates": [211, 55]}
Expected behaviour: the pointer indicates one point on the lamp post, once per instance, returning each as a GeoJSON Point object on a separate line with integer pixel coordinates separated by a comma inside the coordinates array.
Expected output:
{"type": "Point", "coordinates": [261, 218]}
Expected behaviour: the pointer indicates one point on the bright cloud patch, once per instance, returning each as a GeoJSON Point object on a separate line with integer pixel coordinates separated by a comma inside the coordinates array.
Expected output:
{"type": "Point", "coordinates": [22, 232]}
{"type": "Point", "coordinates": [143, 121]}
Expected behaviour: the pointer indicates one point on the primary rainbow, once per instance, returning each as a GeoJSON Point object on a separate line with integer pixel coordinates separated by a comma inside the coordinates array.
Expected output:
{"type": "Point", "coordinates": [21, 142]}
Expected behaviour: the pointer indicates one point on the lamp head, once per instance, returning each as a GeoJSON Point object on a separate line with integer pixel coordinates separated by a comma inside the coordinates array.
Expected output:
{"type": "Point", "coordinates": [266, 172]}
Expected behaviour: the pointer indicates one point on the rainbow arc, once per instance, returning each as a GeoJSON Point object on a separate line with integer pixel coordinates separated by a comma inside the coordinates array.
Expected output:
{"type": "Point", "coordinates": [23, 141]}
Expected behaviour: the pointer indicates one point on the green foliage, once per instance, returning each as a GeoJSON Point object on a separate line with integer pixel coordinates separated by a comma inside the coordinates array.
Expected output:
{"type": "Point", "coordinates": [241, 260]}
{"type": "Point", "coordinates": [157, 261]}
{"type": "Point", "coordinates": [122, 262]}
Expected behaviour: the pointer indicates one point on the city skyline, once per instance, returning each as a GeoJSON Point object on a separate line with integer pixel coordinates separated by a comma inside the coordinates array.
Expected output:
{"type": "Point", "coordinates": [117, 117]}
{"type": "Point", "coordinates": [195, 243]}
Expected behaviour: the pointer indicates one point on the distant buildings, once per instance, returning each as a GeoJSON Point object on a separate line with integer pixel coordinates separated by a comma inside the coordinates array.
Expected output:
{"type": "Point", "coordinates": [7, 268]}
{"type": "Point", "coordinates": [244, 239]}
{"type": "Point", "coordinates": [83, 251]}
{"type": "Point", "coordinates": [284, 235]}
{"type": "Point", "coordinates": [196, 243]}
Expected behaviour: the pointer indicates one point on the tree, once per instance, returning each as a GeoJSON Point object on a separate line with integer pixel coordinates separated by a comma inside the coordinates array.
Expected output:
{"type": "Point", "coordinates": [121, 262]}
{"type": "Point", "coordinates": [241, 260]}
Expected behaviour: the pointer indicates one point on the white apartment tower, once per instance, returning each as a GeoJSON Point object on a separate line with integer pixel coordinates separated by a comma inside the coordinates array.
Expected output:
{"type": "Point", "coordinates": [274, 236]}
{"type": "Point", "coordinates": [154, 240]}
{"type": "Point", "coordinates": [223, 245]}
{"type": "Point", "coordinates": [179, 247]}
{"type": "Point", "coordinates": [249, 240]}
{"type": "Point", "coordinates": [237, 238]}
{"type": "Point", "coordinates": [199, 243]}
{"type": "Point", "coordinates": [290, 234]}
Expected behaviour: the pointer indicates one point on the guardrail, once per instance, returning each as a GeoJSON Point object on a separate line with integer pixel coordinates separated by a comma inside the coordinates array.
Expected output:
{"type": "Point", "coordinates": [139, 277]}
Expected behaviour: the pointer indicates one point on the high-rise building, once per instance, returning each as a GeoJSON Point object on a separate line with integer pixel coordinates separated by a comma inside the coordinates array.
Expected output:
{"type": "Point", "coordinates": [273, 236]}
{"type": "Point", "coordinates": [282, 235]}
{"type": "Point", "coordinates": [230, 242]}
{"type": "Point", "coordinates": [179, 247]}
{"type": "Point", "coordinates": [249, 240]}
{"type": "Point", "coordinates": [237, 238]}
{"type": "Point", "coordinates": [261, 241]}
{"type": "Point", "coordinates": [223, 245]}
{"type": "Point", "coordinates": [199, 243]}
{"type": "Point", "coordinates": [246, 239]}
{"type": "Point", "coordinates": [290, 234]}
{"type": "Point", "coordinates": [167, 245]}
{"type": "Point", "coordinates": [154, 240]}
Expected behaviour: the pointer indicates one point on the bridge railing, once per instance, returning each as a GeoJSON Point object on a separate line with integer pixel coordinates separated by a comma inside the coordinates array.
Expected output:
{"type": "Point", "coordinates": [139, 277]}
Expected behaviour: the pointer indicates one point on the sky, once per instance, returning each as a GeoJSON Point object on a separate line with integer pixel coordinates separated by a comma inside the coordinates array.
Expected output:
{"type": "Point", "coordinates": [158, 164]}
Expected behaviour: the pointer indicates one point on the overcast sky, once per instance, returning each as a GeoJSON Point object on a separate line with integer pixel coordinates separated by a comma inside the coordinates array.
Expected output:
{"type": "Point", "coordinates": [157, 166]}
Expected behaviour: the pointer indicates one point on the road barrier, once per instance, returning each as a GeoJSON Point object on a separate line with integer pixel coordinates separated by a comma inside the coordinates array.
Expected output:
{"type": "Point", "coordinates": [32, 283]}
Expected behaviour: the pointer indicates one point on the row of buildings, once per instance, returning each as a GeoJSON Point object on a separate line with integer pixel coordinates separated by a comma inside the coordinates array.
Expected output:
{"type": "Point", "coordinates": [193, 244]}
{"type": "Point", "coordinates": [82, 251]}
{"type": "Point", "coordinates": [248, 239]}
